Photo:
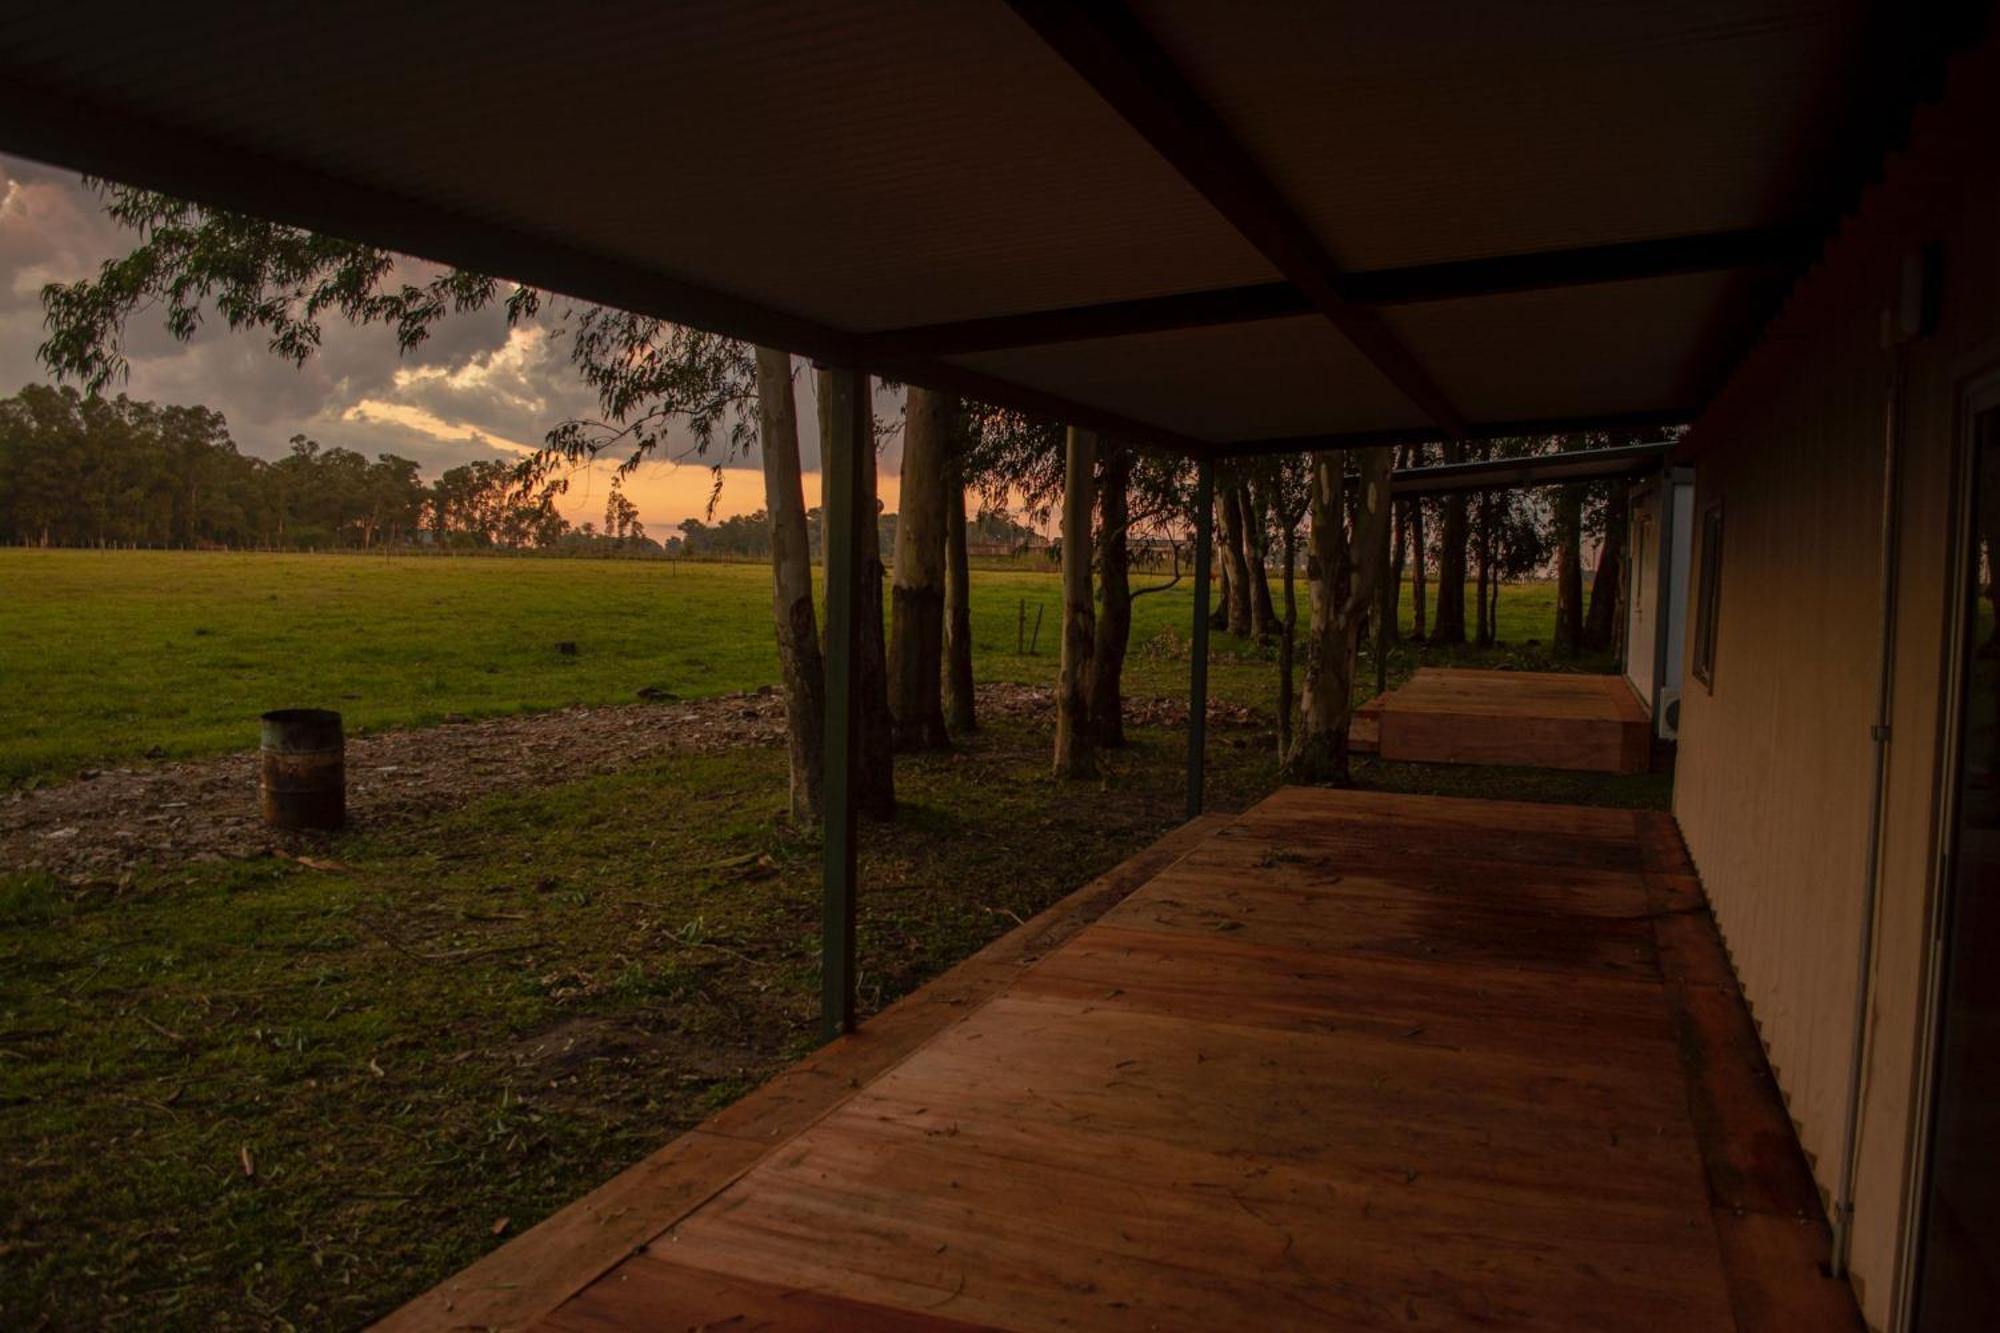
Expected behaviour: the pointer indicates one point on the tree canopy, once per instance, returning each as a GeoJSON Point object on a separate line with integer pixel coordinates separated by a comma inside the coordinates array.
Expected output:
{"type": "Point", "coordinates": [81, 470]}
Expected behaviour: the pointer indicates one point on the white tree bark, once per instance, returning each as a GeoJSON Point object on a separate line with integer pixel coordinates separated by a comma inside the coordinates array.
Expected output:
{"type": "Point", "coordinates": [1075, 752]}
{"type": "Point", "coordinates": [1345, 568]}
{"type": "Point", "coordinates": [799, 662]}
{"type": "Point", "coordinates": [916, 633]}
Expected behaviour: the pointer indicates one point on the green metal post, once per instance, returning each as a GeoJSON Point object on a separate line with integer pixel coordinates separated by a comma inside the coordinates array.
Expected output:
{"type": "Point", "coordinates": [1204, 535]}
{"type": "Point", "coordinates": [843, 399]}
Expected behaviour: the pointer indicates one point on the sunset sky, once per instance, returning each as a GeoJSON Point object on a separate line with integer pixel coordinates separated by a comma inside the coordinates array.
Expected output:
{"type": "Point", "coordinates": [477, 389]}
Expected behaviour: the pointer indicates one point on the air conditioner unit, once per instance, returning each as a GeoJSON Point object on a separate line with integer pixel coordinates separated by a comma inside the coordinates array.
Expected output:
{"type": "Point", "coordinates": [1669, 721]}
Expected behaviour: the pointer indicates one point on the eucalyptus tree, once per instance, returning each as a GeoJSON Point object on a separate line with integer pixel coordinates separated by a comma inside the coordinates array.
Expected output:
{"type": "Point", "coordinates": [1569, 570]}
{"type": "Point", "coordinates": [81, 470]}
{"type": "Point", "coordinates": [1454, 531]}
{"type": "Point", "coordinates": [1136, 493]}
{"type": "Point", "coordinates": [1283, 485]}
{"type": "Point", "coordinates": [960, 712]}
{"type": "Point", "coordinates": [1003, 456]}
{"type": "Point", "coordinates": [1420, 552]}
{"type": "Point", "coordinates": [1230, 538]}
{"type": "Point", "coordinates": [1009, 457]}
{"type": "Point", "coordinates": [917, 625]}
{"type": "Point", "coordinates": [1347, 557]}
{"type": "Point", "coordinates": [1255, 532]}
{"type": "Point", "coordinates": [1608, 521]}
{"type": "Point", "coordinates": [1076, 755]}
{"type": "Point", "coordinates": [650, 376]}
{"type": "Point", "coordinates": [799, 660]}
{"type": "Point", "coordinates": [1507, 534]}
{"type": "Point", "coordinates": [1113, 630]}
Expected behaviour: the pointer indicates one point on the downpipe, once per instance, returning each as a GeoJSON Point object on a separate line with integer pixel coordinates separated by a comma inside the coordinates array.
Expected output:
{"type": "Point", "coordinates": [1885, 677]}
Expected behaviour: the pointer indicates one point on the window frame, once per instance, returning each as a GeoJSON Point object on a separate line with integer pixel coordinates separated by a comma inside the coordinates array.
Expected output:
{"type": "Point", "coordinates": [1708, 598]}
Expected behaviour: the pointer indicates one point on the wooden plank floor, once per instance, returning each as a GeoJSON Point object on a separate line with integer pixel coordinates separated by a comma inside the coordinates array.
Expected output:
{"type": "Point", "coordinates": [1351, 1060]}
{"type": "Point", "coordinates": [1534, 719]}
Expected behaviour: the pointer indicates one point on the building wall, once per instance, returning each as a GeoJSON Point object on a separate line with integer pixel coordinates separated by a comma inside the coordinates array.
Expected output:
{"type": "Point", "coordinates": [1772, 790]}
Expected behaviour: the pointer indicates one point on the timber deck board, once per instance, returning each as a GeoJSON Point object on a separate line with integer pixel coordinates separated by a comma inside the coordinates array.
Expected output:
{"type": "Point", "coordinates": [1532, 719]}
{"type": "Point", "coordinates": [1351, 1060]}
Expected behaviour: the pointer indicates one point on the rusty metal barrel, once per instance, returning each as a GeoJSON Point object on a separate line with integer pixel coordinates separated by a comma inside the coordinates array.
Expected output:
{"type": "Point", "coordinates": [302, 781]}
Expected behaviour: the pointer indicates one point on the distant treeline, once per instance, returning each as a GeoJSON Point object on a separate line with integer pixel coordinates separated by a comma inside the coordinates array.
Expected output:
{"type": "Point", "coordinates": [748, 536]}
{"type": "Point", "coordinates": [82, 471]}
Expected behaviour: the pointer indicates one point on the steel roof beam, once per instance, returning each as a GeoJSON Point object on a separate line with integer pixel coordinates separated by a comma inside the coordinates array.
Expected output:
{"type": "Point", "coordinates": [1453, 281]}
{"type": "Point", "coordinates": [1121, 62]}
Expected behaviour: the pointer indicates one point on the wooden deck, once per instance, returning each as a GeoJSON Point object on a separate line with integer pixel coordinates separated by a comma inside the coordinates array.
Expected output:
{"type": "Point", "coordinates": [1347, 1061]}
{"type": "Point", "coordinates": [1534, 719]}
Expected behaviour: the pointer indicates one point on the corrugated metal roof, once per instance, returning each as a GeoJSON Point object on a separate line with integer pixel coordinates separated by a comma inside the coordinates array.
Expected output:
{"type": "Point", "coordinates": [806, 172]}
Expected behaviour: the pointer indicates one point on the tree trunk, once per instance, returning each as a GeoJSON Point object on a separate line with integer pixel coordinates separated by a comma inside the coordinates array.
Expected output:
{"type": "Point", "coordinates": [1601, 621]}
{"type": "Point", "coordinates": [959, 713]}
{"type": "Point", "coordinates": [875, 768]}
{"type": "Point", "coordinates": [1229, 533]}
{"type": "Point", "coordinates": [1218, 616]}
{"type": "Point", "coordinates": [1114, 620]}
{"type": "Point", "coordinates": [1251, 507]}
{"type": "Point", "coordinates": [1486, 634]}
{"type": "Point", "coordinates": [1288, 640]}
{"type": "Point", "coordinates": [1398, 561]}
{"type": "Point", "coordinates": [1420, 558]}
{"type": "Point", "coordinates": [1448, 623]}
{"type": "Point", "coordinates": [916, 630]}
{"type": "Point", "coordinates": [1075, 755]}
{"type": "Point", "coordinates": [1345, 573]}
{"type": "Point", "coordinates": [799, 663]}
{"type": "Point", "coordinates": [1569, 571]}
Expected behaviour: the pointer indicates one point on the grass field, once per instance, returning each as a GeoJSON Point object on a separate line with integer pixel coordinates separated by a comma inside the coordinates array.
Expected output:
{"type": "Point", "coordinates": [262, 1094]}
{"type": "Point", "coordinates": [109, 656]}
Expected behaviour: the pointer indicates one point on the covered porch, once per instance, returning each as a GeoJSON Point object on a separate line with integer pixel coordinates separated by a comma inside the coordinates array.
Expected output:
{"type": "Point", "coordinates": [1346, 1060]}
{"type": "Point", "coordinates": [1349, 1059]}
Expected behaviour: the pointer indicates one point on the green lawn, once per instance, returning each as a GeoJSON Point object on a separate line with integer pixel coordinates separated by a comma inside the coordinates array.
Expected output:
{"type": "Point", "coordinates": [116, 655]}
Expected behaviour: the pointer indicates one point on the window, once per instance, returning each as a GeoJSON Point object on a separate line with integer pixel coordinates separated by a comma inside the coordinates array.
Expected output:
{"type": "Point", "coordinates": [1705, 611]}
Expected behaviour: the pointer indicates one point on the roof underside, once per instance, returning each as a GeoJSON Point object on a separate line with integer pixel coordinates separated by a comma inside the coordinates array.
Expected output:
{"type": "Point", "coordinates": [805, 175]}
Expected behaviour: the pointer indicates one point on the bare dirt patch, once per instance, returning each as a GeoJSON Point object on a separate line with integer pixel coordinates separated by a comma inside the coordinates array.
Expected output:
{"type": "Point", "coordinates": [108, 822]}
{"type": "Point", "coordinates": [112, 820]}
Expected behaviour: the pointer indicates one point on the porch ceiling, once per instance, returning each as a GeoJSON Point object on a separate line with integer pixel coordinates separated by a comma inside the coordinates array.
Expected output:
{"type": "Point", "coordinates": [805, 174]}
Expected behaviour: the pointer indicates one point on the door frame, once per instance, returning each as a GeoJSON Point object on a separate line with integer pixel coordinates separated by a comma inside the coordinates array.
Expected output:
{"type": "Point", "coordinates": [1977, 395]}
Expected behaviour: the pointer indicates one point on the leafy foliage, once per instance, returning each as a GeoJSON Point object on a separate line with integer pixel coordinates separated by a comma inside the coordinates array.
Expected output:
{"type": "Point", "coordinates": [256, 275]}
